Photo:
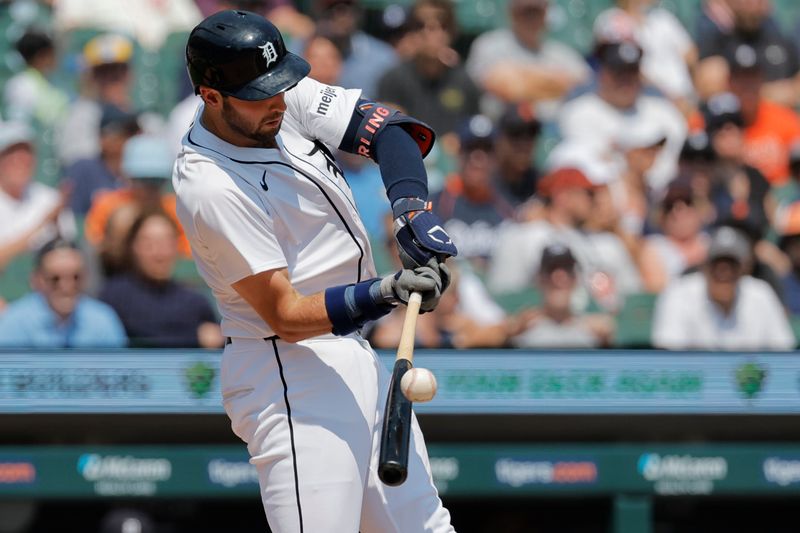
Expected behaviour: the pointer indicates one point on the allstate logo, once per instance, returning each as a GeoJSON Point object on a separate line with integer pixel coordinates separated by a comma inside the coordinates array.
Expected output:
{"type": "Point", "coordinates": [88, 465]}
{"type": "Point", "coordinates": [648, 465]}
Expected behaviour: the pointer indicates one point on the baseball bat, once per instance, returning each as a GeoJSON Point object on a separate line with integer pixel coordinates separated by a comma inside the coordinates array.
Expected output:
{"type": "Point", "coordinates": [393, 459]}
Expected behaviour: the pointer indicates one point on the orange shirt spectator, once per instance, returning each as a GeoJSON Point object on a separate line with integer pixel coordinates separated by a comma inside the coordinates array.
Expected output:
{"type": "Point", "coordinates": [107, 202]}
{"type": "Point", "coordinates": [769, 138]}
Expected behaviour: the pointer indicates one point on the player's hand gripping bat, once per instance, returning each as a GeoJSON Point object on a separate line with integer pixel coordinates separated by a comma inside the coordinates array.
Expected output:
{"type": "Point", "coordinates": [393, 460]}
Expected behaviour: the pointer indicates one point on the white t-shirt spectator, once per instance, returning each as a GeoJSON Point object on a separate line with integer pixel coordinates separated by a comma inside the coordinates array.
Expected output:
{"type": "Point", "coordinates": [686, 319]}
{"type": "Point", "coordinates": [20, 216]}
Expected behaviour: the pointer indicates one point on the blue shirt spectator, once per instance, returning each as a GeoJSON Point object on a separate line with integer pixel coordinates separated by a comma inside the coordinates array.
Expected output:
{"type": "Point", "coordinates": [58, 315]}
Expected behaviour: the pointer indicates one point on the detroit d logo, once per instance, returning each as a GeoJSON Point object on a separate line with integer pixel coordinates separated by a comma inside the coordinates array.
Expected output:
{"type": "Point", "coordinates": [269, 52]}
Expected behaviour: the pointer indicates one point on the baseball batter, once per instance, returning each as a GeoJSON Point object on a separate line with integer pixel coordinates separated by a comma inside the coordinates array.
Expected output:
{"type": "Point", "coordinates": [276, 235]}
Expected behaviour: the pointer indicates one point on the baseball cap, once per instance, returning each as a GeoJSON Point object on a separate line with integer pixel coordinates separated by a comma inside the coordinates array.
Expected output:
{"type": "Point", "coordinates": [555, 256]}
{"type": "Point", "coordinates": [625, 55]}
{"type": "Point", "coordinates": [477, 133]}
{"type": "Point", "coordinates": [721, 109]}
{"type": "Point", "coordinates": [640, 134]}
{"type": "Point", "coordinates": [697, 147]}
{"type": "Point", "coordinates": [519, 121]}
{"type": "Point", "coordinates": [127, 521]}
{"type": "Point", "coordinates": [742, 58]}
{"type": "Point", "coordinates": [729, 243]}
{"type": "Point", "coordinates": [563, 179]}
{"type": "Point", "coordinates": [594, 160]}
{"type": "Point", "coordinates": [679, 191]}
{"type": "Point", "coordinates": [147, 156]}
{"type": "Point", "coordinates": [106, 49]}
{"type": "Point", "coordinates": [115, 119]}
{"type": "Point", "coordinates": [13, 133]}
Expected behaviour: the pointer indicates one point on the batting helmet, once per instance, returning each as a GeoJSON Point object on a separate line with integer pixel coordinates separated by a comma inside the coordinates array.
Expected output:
{"type": "Point", "coordinates": [241, 54]}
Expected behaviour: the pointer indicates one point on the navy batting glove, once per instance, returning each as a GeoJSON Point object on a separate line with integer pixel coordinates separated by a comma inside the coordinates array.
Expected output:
{"type": "Point", "coordinates": [420, 234]}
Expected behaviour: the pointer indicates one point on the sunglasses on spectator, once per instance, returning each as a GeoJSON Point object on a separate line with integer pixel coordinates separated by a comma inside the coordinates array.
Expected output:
{"type": "Point", "coordinates": [55, 279]}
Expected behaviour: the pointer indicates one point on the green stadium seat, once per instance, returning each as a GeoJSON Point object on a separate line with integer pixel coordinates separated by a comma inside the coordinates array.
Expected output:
{"type": "Point", "coordinates": [14, 280]}
{"type": "Point", "coordinates": [514, 302]}
{"type": "Point", "coordinates": [635, 321]}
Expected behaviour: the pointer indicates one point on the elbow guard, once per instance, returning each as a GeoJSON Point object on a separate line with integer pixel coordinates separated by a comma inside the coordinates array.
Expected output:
{"type": "Point", "coordinates": [370, 119]}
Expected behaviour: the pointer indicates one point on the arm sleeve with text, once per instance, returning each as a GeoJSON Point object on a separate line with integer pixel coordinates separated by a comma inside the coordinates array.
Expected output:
{"type": "Point", "coordinates": [322, 111]}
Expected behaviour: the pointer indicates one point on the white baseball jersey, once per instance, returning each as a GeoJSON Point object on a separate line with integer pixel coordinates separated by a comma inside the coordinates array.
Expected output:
{"type": "Point", "coordinates": [249, 210]}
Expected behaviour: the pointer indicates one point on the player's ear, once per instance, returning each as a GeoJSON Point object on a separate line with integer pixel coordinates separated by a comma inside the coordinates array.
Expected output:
{"type": "Point", "coordinates": [211, 97]}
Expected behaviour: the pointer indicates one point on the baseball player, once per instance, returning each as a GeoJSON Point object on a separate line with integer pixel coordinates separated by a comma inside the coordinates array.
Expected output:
{"type": "Point", "coordinates": [276, 235]}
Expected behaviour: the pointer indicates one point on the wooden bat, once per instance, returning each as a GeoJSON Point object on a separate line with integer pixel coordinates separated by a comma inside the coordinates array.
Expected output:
{"type": "Point", "coordinates": [393, 460]}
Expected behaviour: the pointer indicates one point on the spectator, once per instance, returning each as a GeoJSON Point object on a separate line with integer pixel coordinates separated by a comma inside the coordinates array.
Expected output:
{"type": "Point", "coordinates": [32, 213]}
{"type": "Point", "coordinates": [325, 59]}
{"type": "Point", "coordinates": [147, 168]}
{"type": "Point", "coordinates": [29, 96]}
{"type": "Point", "coordinates": [746, 22]}
{"type": "Point", "coordinates": [788, 227]}
{"type": "Point", "coordinates": [518, 131]}
{"type": "Point", "coordinates": [738, 191]}
{"type": "Point", "coordinates": [366, 59]}
{"type": "Point", "coordinates": [568, 194]}
{"type": "Point", "coordinates": [470, 203]}
{"type": "Point", "coordinates": [556, 325]}
{"type": "Point", "coordinates": [668, 52]}
{"type": "Point", "coordinates": [90, 176]}
{"type": "Point", "coordinates": [682, 245]}
{"type": "Point", "coordinates": [519, 64]}
{"type": "Point", "coordinates": [58, 314]}
{"type": "Point", "coordinates": [433, 86]}
{"type": "Point", "coordinates": [292, 23]}
{"type": "Point", "coordinates": [156, 310]}
{"type": "Point", "coordinates": [108, 81]}
{"type": "Point", "coordinates": [770, 129]}
{"type": "Point", "coordinates": [618, 103]}
{"type": "Point", "coordinates": [721, 308]}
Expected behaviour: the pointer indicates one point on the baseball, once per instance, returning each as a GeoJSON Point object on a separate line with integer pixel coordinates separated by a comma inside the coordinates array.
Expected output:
{"type": "Point", "coordinates": [418, 385]}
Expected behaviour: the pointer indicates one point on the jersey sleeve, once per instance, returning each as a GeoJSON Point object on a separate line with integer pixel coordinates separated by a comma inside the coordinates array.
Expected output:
{"type": "Point", "coordinates": [236, 233]}
{"type": "Point", "coordinates": [321, 111]}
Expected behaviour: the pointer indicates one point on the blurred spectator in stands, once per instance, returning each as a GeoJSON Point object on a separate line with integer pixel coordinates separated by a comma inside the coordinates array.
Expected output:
{"type": "Point", "coordinates": [366, 58]}
{"type": "Point", "coordinates": [606, 263]}
{"type": "Point", "coordinates": [31, 212]}
{"type": "Point", "coordinates": [721, 307]}
{"type": "Point", "coordinates": [767, 261]}
{"type": "Point", "coordinates": [618, 103]}
{"type": "Point", "coordinates": [147, 168]}
{"type": "Point", "coordinates": [682, 244]}
{"type": "Point", "coordinates": [788, 228]}
{"type": "Point", "coordinates": [770, 129]}
{"type": "Point", "coordinates": [738, 191]}
{"type": "Point", "coordinates": [517, 132]}
{"type": "Point", "coordinates": [696, 166]}
{"type": "Point", "coordinates": [29, 96]}
{"type": "Point", "coordinates": [156, 310]}
{"type": "Point", "coordinates": [725, 26]}
{"type": "Point", "coordinates": [148, 22]}
{"type": "Point", "coordinates": [638, 148]}
{"type": "Point", "coordinates": [283, 13]}
{"type": "Point", "coordinates": [107, 80]}
{"type": "Point", "coordinates": [470, 204]}
{"type": "Point", "coordinates": [556, 325]}
{"type": "Point", "coordinates": [90, 176]}
{"type": "Point", "coordinates": [398, 27]}
{"type": "Point", "coordinates": [58, 314]}
{"type": "Point", "coordinates": [324, 58]}
{"type": "Point", "coordinates": [433, 85]}
{"type": "Point", "coordinates": [668, 51]}
{"type": "Point", "coordinates": [520, 64]}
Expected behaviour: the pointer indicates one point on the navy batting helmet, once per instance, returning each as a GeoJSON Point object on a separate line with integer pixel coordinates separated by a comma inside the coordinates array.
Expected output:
{"type": "Point", "coordinates": [241, 54]}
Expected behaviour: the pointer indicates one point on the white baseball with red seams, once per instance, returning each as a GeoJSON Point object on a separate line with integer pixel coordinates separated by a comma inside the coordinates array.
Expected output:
{"type": "Point", "coordinates": [311, 411]}
{"type": "Point", "coordinates": [418, 385]}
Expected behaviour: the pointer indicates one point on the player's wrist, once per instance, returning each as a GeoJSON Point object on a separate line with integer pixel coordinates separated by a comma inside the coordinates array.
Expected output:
{"type": "Point", "coordinates": [349, 307]}
{"type": "Point", "coordinates": [409, 205]}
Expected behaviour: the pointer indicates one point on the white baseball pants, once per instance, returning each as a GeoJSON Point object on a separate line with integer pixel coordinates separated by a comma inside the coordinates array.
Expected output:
{"type": "Point", "coordinates": [311, 415]}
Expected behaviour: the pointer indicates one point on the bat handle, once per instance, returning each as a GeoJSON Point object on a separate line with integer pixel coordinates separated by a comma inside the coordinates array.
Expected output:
{"type": "Point", "coordinates": [405, 348]}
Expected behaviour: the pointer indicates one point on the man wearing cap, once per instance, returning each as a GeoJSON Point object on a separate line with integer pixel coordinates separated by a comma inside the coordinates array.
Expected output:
{"type": "Point", "coordinates": [32, 213]}
{"type": "Point", "coordinates": [517, 132]}
{"type": "Point", "coordinates": [770, 129]}
{"type": "Point", "coordinates": [556, 325]}
{"type": "Point", "coordinates": [720, 307]}
{"type": "Point", "coordinates": [106, 59]}
{"type": "Point", "coordinates": [618, 103]}
{"type": "Point", "coordinates": [519, 64]}
{"type": "Point", "coordinates": [754, 27]}
{"type": "Point", "coordinates": [469, 203]}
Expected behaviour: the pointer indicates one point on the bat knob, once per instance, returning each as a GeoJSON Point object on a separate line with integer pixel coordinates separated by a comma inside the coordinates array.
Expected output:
{"type": "Point", "coordinates": [392, 473]}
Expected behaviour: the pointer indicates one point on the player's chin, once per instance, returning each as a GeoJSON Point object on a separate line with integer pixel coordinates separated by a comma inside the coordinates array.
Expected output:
{"type": "Point", "coordinates": [271, 128]}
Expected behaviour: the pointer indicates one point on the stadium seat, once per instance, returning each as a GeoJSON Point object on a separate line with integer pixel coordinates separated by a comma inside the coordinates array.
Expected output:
{"type": "Point", "coordinates": [14, 280]}
{"type": "Point", "coordinates": [514, 302]}
{"type": "Point", "coordinates": [635, 321]}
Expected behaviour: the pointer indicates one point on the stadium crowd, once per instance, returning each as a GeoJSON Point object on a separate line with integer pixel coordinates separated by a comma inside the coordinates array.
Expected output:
{"type": "Point", "coordinates": [642, 192]}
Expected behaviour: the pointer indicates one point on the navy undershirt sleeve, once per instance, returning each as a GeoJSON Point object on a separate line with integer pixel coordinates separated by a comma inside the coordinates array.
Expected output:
{"type": "Point", "coordinates": [401, 165]}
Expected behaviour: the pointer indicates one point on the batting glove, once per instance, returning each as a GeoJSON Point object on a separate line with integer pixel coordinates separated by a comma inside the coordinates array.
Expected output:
{"type": "Point", "coordinates": [424, 280]}
{"type": "Point", "coordinates": [420, 234]}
